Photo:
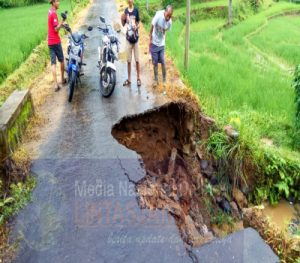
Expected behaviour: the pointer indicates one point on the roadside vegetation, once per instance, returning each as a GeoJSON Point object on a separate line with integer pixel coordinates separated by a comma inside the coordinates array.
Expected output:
{"type": "Point", "coordinates": [23, 56]}
{"type": "Point", "coordinates": [239, 74]}
{"type": "Point", "coordinates": [16, 3]}
{"type": "Point", "coordinates": [243, 75]}
{"type": "Point", "coordinates": [23, 32]}
{"type": "Point", "coordinates": [16, 186]}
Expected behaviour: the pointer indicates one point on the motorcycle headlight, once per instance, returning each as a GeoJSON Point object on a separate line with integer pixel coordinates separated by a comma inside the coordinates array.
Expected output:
{"type": "Point", "coordinates": [76, 50]}
{"type": "Point", "coordinates": [105, 40]}
{"type": "Point", "coordinates": [115, 50]}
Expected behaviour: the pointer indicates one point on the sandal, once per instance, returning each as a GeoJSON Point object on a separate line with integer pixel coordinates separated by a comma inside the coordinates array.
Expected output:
{"type": "Point", "coordinates": [139, 83]}
{"type": "Point", "coordinates": [155, 84]}
{"type": "Point", "coordinates": [57, 88]}
{"type": "Point", "coordinates": [126, 83]}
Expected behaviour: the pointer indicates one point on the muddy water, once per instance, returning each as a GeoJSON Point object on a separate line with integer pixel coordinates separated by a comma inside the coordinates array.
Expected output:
{"type": "Point", "coordinates": [280, 214]}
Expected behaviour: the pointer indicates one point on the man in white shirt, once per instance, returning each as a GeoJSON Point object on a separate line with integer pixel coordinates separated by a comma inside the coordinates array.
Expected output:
{"type": "Point", "coordinates": [160, 24]}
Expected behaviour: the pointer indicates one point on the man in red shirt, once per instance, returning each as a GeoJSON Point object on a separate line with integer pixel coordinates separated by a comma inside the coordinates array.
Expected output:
{"type": "Point", "coordinates": [54, 43]}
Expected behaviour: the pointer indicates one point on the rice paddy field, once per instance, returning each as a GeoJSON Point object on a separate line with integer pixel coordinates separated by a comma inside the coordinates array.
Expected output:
{"type": "Point", "coordinates": [21, 30]}
{"type": "Point", "coordinates": [239, 72]}
{"type": "Point", "coordinates": [243, 71]}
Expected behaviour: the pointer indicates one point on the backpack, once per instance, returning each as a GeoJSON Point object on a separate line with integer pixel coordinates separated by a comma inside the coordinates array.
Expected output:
{"type": "Point", "coordinates": [132, 35]}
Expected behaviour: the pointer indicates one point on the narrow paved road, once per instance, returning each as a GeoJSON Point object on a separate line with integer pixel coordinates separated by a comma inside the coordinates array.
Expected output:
{"type": "Point", "coordinates": [84, 209]}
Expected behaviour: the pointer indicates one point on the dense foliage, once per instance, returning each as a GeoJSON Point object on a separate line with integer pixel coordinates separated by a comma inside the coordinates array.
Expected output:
{"type": "Point", "coordinates": [15, 3]}
{"type": "Point", "coordinates": [296, 86]}
{"type": "Point", "coordinates": [267, 173]}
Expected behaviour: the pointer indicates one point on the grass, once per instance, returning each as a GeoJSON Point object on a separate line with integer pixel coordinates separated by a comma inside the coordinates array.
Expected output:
{"type": "Point", "coordinates": [15, 3]}
{"type": "Point", "coordinates": [38, 56]}
{"type": "Point", "coordinates": [182, 10]}
{"type": "Point", "coordinates": [21, 30]}
{"type": "Point", "coordinates": [237, 73]}
{"type": "Point", "coordinates": [285, 43]}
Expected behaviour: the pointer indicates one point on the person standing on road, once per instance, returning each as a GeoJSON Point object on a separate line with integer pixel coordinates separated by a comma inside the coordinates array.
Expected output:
{"type": "Point", "coordinates": [160, 24]}
{"type": "Point", "coordinates": [54, 43]}
{"type": "Point", "coordinates": [131, 19]}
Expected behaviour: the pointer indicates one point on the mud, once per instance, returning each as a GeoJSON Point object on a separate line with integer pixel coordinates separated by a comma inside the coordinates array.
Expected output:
{"type": "Point", "coordinates": [283, 215]}
{"type": "Point", "coordinates": [165, 137]}
{"type": "Point", "coordinates": [286, 247]}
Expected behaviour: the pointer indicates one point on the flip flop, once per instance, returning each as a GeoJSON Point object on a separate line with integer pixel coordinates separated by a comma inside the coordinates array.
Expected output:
{"type": "Point", "coordinates": [57, 88]}
{"type": "Point", "coordinates": [139, 83]}
{"type": "Point", "coordinates": [126, 83]}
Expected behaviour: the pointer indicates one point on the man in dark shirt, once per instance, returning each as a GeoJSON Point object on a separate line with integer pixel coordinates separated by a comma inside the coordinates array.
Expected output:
{"type": "Point", "coordinates": [130, 18]}
{"type": "Point", "coordinates": [54, 43]}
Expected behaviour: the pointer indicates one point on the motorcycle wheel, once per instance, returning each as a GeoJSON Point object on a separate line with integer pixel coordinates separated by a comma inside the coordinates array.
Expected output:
{"type": "Point", "coordinates": [72, 84]}
{"type": "Point", "coordinates": [107, 86]}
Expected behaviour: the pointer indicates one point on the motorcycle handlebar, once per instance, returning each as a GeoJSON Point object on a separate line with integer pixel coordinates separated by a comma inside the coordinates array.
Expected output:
{"type": "Point", "coordinates": [68, 29]}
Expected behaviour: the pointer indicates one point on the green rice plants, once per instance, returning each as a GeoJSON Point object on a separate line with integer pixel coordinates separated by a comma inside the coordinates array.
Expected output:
{"type": "Point", "coordinates": [15, 3]}
{"type": "Point", "coordinates": [30, 41]}
{"type": "Point", "coordinates": [243, 82]}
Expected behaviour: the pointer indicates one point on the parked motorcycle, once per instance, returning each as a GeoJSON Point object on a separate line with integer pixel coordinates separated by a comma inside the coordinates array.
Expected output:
{"type": "Point", "coordinates": [108, 53]}
{"type": "Point", "coordinates": [75, 58]}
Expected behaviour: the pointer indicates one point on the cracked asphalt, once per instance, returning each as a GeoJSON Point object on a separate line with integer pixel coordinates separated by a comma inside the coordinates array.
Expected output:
{"type": "Point", "coordinates": [84, 207]}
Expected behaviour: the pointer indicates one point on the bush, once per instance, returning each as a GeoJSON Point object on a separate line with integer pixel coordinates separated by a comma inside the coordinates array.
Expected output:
{"type": "Point", "coordinates": [268, 173]}
{"type": "Point", "coordinates": [205, 13]}
{"type": "Point", "coordinates": [174, 3]}
{"type": "Point", "coordinates": [15, 3]}
{"type": "Point", "coordinates": [244, 8]}
{"type": "Point", "coordinates": [19, 195]}
{"type": "Point", "coordinates": [279, 178]}
{"type": "Point", "coordinates": [145, 15]}
{"type": "Point", "coordinates": [296, 86]}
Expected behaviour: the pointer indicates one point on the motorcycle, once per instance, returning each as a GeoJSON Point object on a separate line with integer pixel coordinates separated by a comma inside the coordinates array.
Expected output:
{"type": "Point", "coordinates": [75, 58]}
{"type": "Point", "coordinates": [108, 53]}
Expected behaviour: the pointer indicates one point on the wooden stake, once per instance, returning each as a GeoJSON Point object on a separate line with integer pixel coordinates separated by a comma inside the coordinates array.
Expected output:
{"type": "Point", "coordinates": [187, 34]}
{"type": "Point", "coordinates": [171, 165]}
{"type": "Point", "coordinates": [229, 12]}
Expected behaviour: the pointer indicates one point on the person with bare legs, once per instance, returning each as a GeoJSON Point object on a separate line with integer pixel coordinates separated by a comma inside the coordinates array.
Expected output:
{"type": "Point", "coordinates": [160, 24]}
{"type": "Point", "coordinates": [54, 43]}
{"type": "Point", "coordinates": [131, 19]}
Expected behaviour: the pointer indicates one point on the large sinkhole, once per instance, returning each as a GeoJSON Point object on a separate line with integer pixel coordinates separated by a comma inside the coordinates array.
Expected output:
{"type": "Point", "coordinates": [167, 139]}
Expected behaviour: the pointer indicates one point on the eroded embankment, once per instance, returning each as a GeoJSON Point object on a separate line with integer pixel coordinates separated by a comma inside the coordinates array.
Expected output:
{"type": "Point", "coordinates": [183, 179]}
{"type": "Point", "coordinates": [168, 140]}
